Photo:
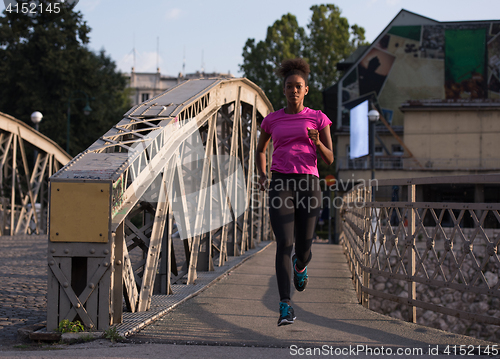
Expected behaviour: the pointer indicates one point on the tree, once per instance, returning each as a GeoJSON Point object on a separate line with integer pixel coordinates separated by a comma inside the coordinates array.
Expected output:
{"type": "Point", "coordinates": [45, 66]}
{"type": "Point", "coordinates": [285, 39]}
{"type": "Point", "coordinates": [329, 40]}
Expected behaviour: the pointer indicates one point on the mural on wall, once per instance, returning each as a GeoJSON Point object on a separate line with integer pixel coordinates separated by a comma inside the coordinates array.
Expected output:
{"type": "Point", "coordinates": [373, 71]}
{"type": "Point", "coordinates": [432, 46]}
{"type": "Point", "coordinates": [464, 63]}
{"type": "Point", "coordinates": [494, 64]}
{"type": "Point", "coordinates": [457, 61]}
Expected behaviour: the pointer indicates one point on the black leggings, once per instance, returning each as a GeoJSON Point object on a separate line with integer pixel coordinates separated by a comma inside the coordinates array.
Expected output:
{"type": "Point", "coordinates": [294, 206]}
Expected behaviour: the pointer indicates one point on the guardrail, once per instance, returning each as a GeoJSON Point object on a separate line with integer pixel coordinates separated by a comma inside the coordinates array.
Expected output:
{"type": "Point", "coordinates": [423, 164]}
{"type": "Point", "coordinates": [408, 244]}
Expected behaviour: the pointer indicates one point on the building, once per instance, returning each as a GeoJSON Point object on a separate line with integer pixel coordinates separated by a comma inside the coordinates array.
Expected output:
{"type": "Point", "coordinates": [436, 86]}
{"type": "Point", "coordinates": [146, 85]}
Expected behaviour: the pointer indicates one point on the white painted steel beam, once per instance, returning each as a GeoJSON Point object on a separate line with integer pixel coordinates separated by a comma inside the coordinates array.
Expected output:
{"type": "Point", "coordinates": [162, 163]}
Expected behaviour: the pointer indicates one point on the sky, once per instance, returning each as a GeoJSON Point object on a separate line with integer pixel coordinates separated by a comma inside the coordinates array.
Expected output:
{"type": "Point", "coordinates": [211, 34]}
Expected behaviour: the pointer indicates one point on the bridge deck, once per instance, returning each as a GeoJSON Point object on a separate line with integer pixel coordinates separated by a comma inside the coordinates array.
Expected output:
{"type": "Point", "coordinates": [242, 309]}
{"type": "Point", "coordinates": [237, 312]}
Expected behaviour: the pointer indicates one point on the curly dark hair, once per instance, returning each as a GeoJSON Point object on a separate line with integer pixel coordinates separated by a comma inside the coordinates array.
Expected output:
{"type": "Point", "coordinates": [296, 66]}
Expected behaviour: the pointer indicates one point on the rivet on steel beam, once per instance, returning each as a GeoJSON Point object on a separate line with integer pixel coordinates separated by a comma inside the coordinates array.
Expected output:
{"type": "Point", "coordinates": [118, 262]}
{"type": "Point", "coordinates": [106, 264]}
{"type": "Point", "coordinates": [53, 250]}
{"type": "Point", "coordinates": [91, 285]}
{"type": "Point", "coordinates": [66, 250]}
{"type": "Point", "coordinates": [92, 251]}
{"type": "Point", "coordinates": [65, 285]}
{"type": "Point", "coordinates": [52, 263]}
{"type": "Point", "coordinates": [106, 251]}
{"type": "Point", "coordinates": [78, 305]}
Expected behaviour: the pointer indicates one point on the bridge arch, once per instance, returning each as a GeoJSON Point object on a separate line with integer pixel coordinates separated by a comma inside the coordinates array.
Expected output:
{"type": "Point", "coordinates": [165, 193]}
{"type": "Point", "coordinates": [23, 185]}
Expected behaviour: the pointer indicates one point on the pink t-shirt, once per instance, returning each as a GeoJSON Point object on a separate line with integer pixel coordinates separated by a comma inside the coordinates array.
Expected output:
{"type": "Point", "coordinates": [294, 152]}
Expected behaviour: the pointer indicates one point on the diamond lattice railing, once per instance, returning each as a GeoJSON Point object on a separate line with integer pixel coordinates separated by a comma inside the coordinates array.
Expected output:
{"type": "Point", "coordinates": [415, 248]}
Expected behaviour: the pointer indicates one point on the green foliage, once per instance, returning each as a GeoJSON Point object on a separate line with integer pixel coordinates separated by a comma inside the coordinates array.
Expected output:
{"type": "Point", "coordinates": [87, 337]}
{"type": "Point", "coordinates": [330, 39]}
{"type": "Point", "coordinates": [45, 66]}
{"type": "Point", "coordinates": [112, 334]}
{"type": "Point", "coordinates": [285, 39]}
{"type": "Point", "coordinates": [65, 326]}
{"type": "Point", "coordinates": [21, 346]}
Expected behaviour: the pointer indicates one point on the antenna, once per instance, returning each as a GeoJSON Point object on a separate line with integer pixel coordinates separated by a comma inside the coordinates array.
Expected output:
{"type": "Point", "coordinates": [133, 49]}
{"type": "Point", "coordinates": [202, 63]}
{"type": "Point", "coordinates": [158, 53]}
{"type": "Point", "coordinates": [184, 62]}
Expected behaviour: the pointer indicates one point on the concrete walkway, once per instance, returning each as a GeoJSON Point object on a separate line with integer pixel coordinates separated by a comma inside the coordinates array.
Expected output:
{"type": "Point", "coordinates": [236, 317]}
{"type": "Point", "coordinates": [242, 309]}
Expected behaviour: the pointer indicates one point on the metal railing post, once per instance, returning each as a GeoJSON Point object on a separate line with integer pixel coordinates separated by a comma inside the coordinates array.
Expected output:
{"type": "Point", "coordinates": [366, 250]}
{"type": "Point", "coordinates": [410, 246]}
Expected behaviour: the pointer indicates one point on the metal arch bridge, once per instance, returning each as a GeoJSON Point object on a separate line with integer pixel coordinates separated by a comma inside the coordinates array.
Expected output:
{"type": "Point", "coordinates": [23, 185]}
{"type": "Point", "coordinates": [179, 165]}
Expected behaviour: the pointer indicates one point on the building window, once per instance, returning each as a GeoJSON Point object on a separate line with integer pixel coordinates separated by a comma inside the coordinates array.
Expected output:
{"type": "Point", "coordinates": [397, 150]}
{"type": "Point", "coordinates": [379, 151]}
{"type": "Point", "coordinates": [145, 97]}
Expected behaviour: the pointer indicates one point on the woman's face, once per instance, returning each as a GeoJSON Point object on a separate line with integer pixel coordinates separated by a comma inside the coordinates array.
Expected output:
{"type": "Point", "coordinates": [295, 89]}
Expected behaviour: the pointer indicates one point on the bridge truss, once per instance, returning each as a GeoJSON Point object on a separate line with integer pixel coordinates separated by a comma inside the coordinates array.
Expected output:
{"type": "Point", "coordinates": [165, 193]}
{"type": "Point", "coordinates": [24, 184]}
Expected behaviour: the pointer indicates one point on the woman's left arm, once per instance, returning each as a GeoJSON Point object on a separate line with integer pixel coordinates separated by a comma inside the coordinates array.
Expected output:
{"type": "Point", "coordinates": [323, 141]}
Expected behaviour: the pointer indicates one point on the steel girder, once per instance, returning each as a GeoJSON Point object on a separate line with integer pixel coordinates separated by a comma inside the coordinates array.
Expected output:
{"type": "Point", "coordinates": [163, 194]}
{"type": "Point", "coordinates": [23, 185]}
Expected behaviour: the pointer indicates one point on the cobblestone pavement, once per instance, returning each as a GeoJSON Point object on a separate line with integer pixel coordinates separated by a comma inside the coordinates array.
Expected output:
{"type": "Point", "coordinates": [23, 285]}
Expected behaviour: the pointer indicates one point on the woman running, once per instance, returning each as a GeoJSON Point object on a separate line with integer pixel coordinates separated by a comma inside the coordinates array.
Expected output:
{"type": "Point", "coordinates": [298, 133]}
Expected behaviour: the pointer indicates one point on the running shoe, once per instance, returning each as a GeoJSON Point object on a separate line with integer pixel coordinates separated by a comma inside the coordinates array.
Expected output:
{"type": "Point", "coordinates": [299, 279]}
{"type": "Point", "coordinates": [287, 315]}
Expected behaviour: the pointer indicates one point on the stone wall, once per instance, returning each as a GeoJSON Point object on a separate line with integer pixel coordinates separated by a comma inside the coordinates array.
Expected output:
{"type": "Point", "coordinates": [449, 298]}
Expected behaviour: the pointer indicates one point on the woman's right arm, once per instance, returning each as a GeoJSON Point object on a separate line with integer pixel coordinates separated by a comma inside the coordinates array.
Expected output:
{"type": "Point", "coordinates": [260, 158]}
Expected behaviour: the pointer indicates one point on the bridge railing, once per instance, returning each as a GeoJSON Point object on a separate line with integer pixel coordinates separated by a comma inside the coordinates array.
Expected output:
{"type": "Point", "coordinates": [438, 255]}
{"type": "Point", "coordinates": [27, 160]}
{"type": "Point", "coordinates": [165, 193]}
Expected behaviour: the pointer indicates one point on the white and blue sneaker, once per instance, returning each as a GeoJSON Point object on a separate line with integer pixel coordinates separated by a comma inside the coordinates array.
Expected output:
{"type": "Point", "coordinates": [287, 315]}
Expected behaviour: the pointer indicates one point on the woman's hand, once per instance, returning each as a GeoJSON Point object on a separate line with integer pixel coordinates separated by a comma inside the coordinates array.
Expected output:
{"type": "Point", "coordinates": [263, 182]}
{"type": "Point", "coordinates": [313, 135]}
{"type": "Point", "coordinates": [323, 141]}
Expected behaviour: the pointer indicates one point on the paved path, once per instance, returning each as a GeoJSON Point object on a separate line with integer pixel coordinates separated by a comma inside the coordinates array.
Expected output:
{"type": "Point", "coordinates": [242, 309]}
{"type": "Point", "coordinates": [23, 285]}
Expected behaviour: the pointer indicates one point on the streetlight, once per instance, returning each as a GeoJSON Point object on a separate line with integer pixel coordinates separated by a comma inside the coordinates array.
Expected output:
{"type": "Point", "coordinates": [86, 112]}
{"type": "Point", "coordinates": [373, 117]}
{"type": "Point", "coordinates": [36, 118]}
